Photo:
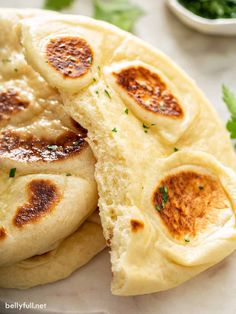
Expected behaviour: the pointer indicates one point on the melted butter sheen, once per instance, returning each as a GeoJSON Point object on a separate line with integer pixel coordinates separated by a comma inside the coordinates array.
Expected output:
{"type": "Point", "coordinates": [29, 148]}
{"type": "Point", "coordinates": [10, 103]}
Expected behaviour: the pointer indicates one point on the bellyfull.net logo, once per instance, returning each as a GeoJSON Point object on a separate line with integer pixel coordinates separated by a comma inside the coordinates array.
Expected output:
{"type": "Point", "coordinates": [25, 305]}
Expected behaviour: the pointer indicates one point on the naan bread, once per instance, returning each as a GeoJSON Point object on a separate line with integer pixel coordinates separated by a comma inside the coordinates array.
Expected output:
{"type": "Point", "coordinates": [47, 186]}
{"type": "Point", "coordinates": [72, 253]}
{"type": "Point", "coordinates": [164, 160]}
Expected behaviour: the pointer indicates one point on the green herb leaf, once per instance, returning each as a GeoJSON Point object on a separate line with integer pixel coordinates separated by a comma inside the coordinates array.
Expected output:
{"type": "Point", "coordinates": [230, 100]}
{"type": "Point", "coordinates": [126, 111]}
{"type": "Point", "coordinates": [231, 127]}
{"type": "Point", "coordinates": [211, 9]}
{"type": "Point", "coordinates": [52, 147]}
{"type": "Point", "coordinates": [114, 130]}
{"type": "Point", "coordinates": [6, 60]}
{"type": "Point", "coordinates": [176, 149]}
{"type": "Point", "coordinates": [121, 13]}
{"type": "Point", "coordinates": [164, 192]}
{"type": "Point", "coordinates": [12, 172]}
{"type": "Point", "coordinates": [186, 239]}
{"type": "Point", "coordinates": [164, 198]}
{"type": "Point", "coordinates": [68, 174]}
{"type": "Point", "coordinates": [57, 5]}
{"type": "Point", "coordinates": [107, 93]}
{"type": "Point", "coordinates": [90, 60]}
{"type": "Point", "coordinates": [146, 128]}
{"type": "Point", "coordinates": [158, 207]}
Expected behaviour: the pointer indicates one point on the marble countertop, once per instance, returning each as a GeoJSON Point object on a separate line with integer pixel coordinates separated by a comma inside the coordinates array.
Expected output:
{"type": "Point", "coordinates": [210, 61]}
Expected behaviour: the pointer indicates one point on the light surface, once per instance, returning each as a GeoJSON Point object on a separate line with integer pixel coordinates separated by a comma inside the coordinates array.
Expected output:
{"type": "Point", "coordinates": [210, 61]}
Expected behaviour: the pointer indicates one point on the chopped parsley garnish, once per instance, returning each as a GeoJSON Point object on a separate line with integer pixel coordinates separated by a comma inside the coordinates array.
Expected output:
{"type": "Point", "coordinates": [121, 13]}
{"type": "Point", "coordinates": [97, 92]}
{"type": "Point", "coordinates": [94, 79]}
{"type": "Point", "coordinates": [16, 70]}
{"type": "Point", "coordinates": [146, 128]}
{"type": "Point", "coordinates": [176, 149]}
{"type": "Point", "coordinates": [230, 101]}
{"type": "Point", "coordinates": [211, 9]}
{"type": "Point", "coordinates": [6, 60]}
{"type": "Point", "coordinates": [57, 5]}
{"type": "Point", "coordinates": [114, 130]}
{"type": "Point", "coordinates": [126, 111]}
{"type": "Point", "coordinates": [186, 239]}
{"type": "Point", "coordinates": [107, 93]}
{"type": "Point", "coordinates": [158, 207]}
{"type": "Point", "coordinates": [201, 187]}
{"type": "Point", "coordinates": [164, 195]}
{"type": "Point", "coordinates": [71, 58]}
{"type": "Point", "coordinates": [12, 172]}
{"type": "Point", "coordinates": [90, 59]}
{"type": "Point", "coordinates": [78, 143]}
{"type": "Point", "coordinates": [68, 174]}
{"type": "Point", "coordinates": [52, 147]}
{"type": "Point", "coordinates": [164, 191]}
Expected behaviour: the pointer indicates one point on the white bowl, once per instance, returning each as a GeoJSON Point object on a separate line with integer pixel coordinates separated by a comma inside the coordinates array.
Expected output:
{"type": "Point", "coordinates": [225, 27]}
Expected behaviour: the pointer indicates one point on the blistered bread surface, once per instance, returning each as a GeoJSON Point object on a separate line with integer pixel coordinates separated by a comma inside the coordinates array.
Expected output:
{"type": "Point", "coordinates": [165, 165]}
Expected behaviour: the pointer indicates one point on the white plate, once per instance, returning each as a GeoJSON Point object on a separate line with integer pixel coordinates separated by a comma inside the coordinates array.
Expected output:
{"type": "Point", "coordinates": [215, 27]}
{"type": "Point", "coordinates": [88, 292]}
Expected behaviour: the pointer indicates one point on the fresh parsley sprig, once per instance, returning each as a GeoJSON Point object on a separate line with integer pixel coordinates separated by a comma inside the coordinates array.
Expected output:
{"type": "Point", "coordinates": [57, 5]}
{"type": "Point", "coordinates": [230, 101]}
{"type": "Point", "coordinates": [121, 13]}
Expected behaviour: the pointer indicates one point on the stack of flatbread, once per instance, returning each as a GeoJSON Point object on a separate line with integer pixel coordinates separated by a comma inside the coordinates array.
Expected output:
{"type": "Point", "coordinates": [48, 194]}
{"type": "Point", "coordinates": [165, 169]}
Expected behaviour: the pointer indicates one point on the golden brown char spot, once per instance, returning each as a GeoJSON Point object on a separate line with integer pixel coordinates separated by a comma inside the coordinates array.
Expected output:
{"type": "Point", "coordinates": [10, 103]}
{"type": "Point", "coordinates": [149, 91]}
{"type": "Point", "coordinates": [25, 147]}
{"type": "Point", "coordinates": [43, 196]}
{"type": "Point", "coordinates": [71, 56]}
{"type": "Point", "coordinates": [136, 225]}
{"type": "Point", "coordinates": [188, 201]}
{"type": "Point", "coordinates": [3, 233]}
